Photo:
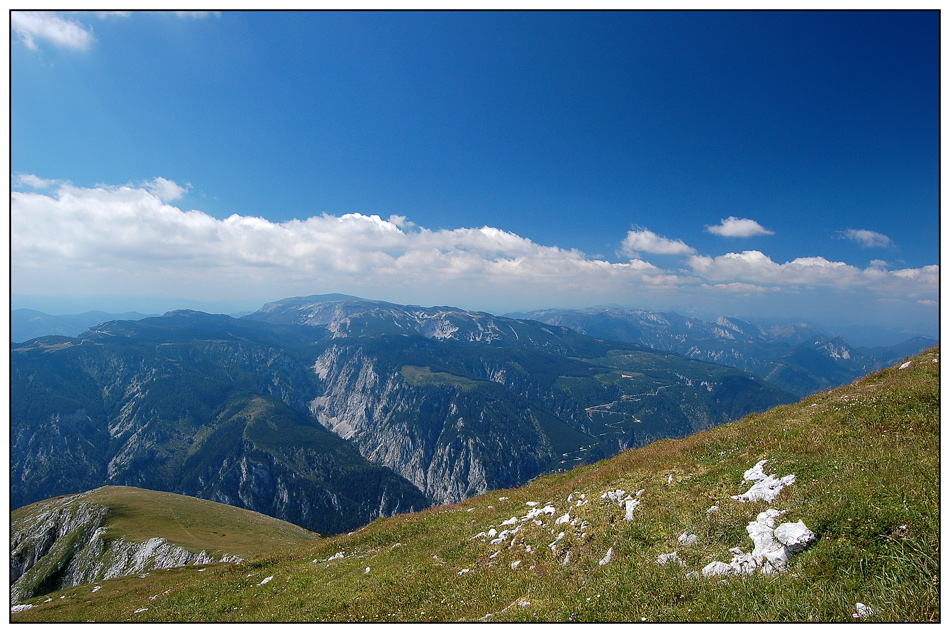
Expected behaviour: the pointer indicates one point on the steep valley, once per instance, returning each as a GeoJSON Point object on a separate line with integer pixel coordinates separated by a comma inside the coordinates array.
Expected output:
{"type": "Point", "coordinates": [332, 411]}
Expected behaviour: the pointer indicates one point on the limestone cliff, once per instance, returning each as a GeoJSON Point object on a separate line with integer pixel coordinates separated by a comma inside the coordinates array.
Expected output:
{"type": "Point", "coordinates": [67, 543]}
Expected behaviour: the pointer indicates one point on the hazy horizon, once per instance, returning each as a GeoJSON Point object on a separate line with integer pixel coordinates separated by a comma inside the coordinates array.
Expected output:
{"type": "Point", "coordinates": [854, 332]}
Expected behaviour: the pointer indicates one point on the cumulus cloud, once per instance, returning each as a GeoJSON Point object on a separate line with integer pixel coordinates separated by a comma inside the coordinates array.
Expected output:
{"type": "Point", "coordinates": [133, 240]}
{"type": "Point", "coordinates": [166, 190]}
{"type": "Point", "coordinates": [31, 26]}
{"type": "Point", "coordinates": [867, 239]}
{"type": "Point", "coordinates": [738, 227]}
{"type": "Point", "coordinates": [131, 234]}
{"type": "Point", "coordinates": [756, 267]}
{"type": "Point", "coordinates": [645, 241]}
{"type": "Point", "coordinates": [33, 182]}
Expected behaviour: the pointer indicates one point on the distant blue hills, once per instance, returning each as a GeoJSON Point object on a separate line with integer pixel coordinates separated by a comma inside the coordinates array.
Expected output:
{"type": "Point", "coordinates": [28, 324]}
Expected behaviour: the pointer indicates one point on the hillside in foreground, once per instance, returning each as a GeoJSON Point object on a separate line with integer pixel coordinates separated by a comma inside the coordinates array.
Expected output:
{"type": "Point", "coordinates": [119, 531]}
{"type": "Point", "coordinates": [850, 515]}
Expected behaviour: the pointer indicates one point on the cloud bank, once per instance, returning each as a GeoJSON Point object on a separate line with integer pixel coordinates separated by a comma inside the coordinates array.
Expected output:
{"type": "Point", "coordinates": [129, 239]}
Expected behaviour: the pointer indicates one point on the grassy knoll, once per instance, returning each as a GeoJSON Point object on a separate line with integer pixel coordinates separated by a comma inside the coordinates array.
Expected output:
{"type": "Point", "coordinates": [136, 515]}
{"type": "Point", "coordinates": [866, 460]}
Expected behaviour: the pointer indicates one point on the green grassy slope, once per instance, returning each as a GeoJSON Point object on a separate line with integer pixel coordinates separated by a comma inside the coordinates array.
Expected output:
{"type": "Point", "coordinates": [866, 461]}
{"type": "Point", "coordinates": [136, 515]}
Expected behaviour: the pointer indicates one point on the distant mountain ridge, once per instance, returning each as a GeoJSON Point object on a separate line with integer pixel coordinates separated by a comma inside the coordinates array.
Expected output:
{"type": "Point", "coordinates": [798, 358]}
{"type": "Point", "coordinates": [28, 324]}
{"type": "Point", "coordinates": [331, 411]}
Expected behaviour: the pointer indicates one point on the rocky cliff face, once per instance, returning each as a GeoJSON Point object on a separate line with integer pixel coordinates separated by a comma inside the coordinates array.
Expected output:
{"type": "Point", "coordinates": [440, 431]}
{"type": "Point", "coordinates": [67, 544]}
{"type": "Point", "coordinates": [207, 406]}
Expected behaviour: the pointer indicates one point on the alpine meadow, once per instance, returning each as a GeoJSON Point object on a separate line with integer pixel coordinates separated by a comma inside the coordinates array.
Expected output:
{"type": "Point", "coordinates": [474, 316]}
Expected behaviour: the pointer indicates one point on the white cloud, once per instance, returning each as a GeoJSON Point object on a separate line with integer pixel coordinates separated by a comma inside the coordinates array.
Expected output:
{"type": "Point", "coordinates": [739, 227]}
{"type": "Point", "coordinates": [815, 272]}
{"type": "Point", "coordinates": [741, 288]}
{"type": "Point", "coordinates": [867, 239]}
{"type": "Point", "coordinates": [645, 241]}
{"type": "Point", "coordinates": [33, 182]}
{"type": "Point", "coordinates": [131, 236]}
{"type": "Point", "coordinates": [166, 190]}
{"type": "Point", "coordinates": [130, 240]}
{"type": "Point", "coordinates": [31, 26]}
{"type": "Point", "coordinates": [196, 14]}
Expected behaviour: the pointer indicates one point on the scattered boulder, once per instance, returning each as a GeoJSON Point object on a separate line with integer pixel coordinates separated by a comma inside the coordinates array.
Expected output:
{"type": "Point", "coordinates": [617, 496]}
{"type": "Point", "coordinates": [770, 553]}
{"type": "Point", "coordinates": [631, 505]}
{"type": "Point", "coordinates": [718, 568]}
{"type": "Point", "coordinates": [667, 559]}
{"type": "Point", "coordinates": [794, 536]}
{"type": "Point", "coordinates": [764, 487]}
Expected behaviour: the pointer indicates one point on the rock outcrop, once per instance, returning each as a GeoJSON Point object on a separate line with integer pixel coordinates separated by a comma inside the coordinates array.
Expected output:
{"type": "Point", "coordinates": [68, 544]}
{"type": "Point", "coordinates": [772, 545]}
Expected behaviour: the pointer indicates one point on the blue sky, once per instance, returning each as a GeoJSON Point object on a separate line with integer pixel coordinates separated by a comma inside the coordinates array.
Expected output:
{"type": "Point", "coordinates": [780, 165]}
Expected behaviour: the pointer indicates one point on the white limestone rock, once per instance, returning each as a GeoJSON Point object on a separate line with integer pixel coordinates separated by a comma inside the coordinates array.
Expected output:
{"type": "Point", "coordinates": [772, 547]}
{"type": "Point", "coordinates": [631, 505]}
{"type": "Point", "coordinates": [717, 568]}
{"type": "Point", "coordinates": [617, 496]}
{"type": "Point", "coordinates": [794, 536]}
{"type": "Point", "coordinates": [668, 559]}
{"type": "Point", "coordinates": [764, 487]}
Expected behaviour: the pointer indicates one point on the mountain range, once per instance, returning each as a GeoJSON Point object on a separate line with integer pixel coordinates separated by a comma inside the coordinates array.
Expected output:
{"type": "Point", "coordinates": [26, 324]}
{"type": "Point", "coordinates": [798, 358]}
{"type": "Point", "coordinates": [331, 411]}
